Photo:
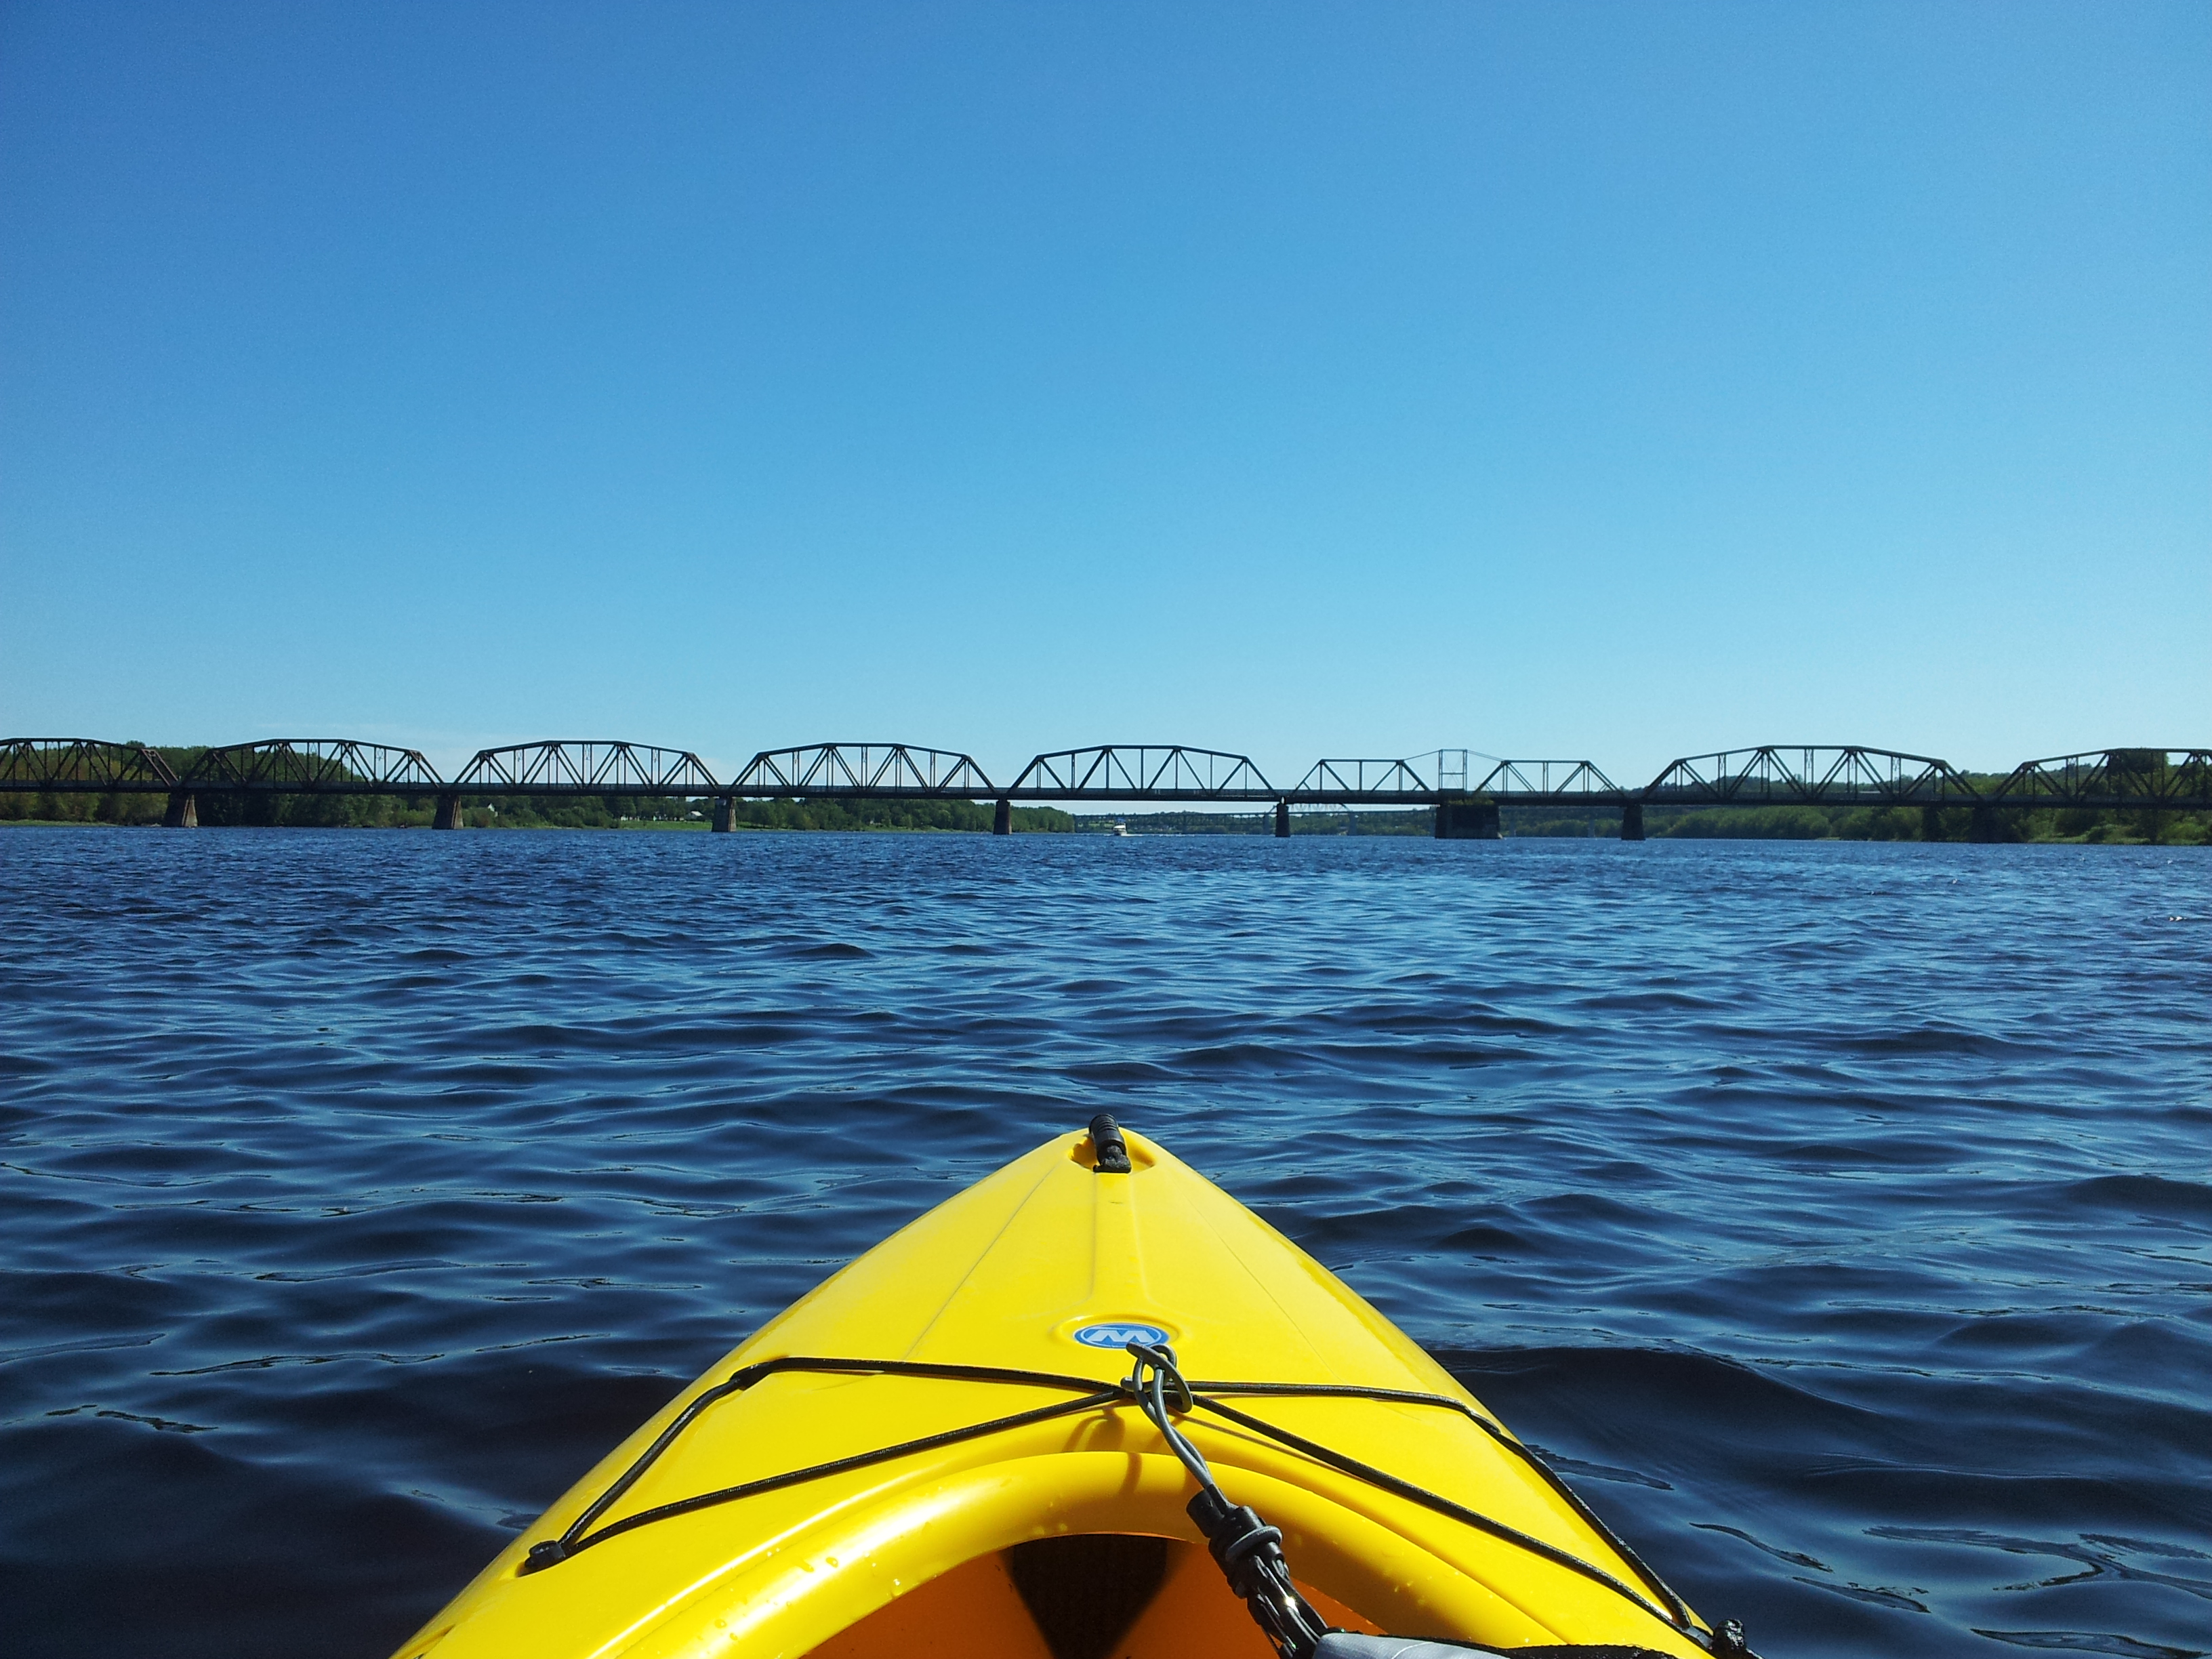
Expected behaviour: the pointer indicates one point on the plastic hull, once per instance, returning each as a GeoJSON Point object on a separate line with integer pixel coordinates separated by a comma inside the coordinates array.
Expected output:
{"type": "Point", "coordinates": [923, 1555]}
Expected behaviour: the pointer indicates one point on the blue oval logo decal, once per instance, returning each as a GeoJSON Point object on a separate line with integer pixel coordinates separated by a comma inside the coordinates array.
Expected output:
{"type": "Point", "coordinates": [1119, 1334]}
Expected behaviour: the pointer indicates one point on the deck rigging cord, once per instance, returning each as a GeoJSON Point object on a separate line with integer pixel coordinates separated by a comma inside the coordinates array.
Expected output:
{"type": "Point", "coordinates": [1157, 1385]}
{"type": "Point", "coordinates": [1249, 1552]}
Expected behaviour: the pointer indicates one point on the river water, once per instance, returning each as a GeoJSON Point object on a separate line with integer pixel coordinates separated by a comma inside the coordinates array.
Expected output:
{"type": "Point", "coordinates": [1839, 1217]}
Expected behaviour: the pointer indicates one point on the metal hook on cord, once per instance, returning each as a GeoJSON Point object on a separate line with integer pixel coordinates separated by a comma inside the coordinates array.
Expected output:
{"type": "Point", "coordinates": [1248, 1550]}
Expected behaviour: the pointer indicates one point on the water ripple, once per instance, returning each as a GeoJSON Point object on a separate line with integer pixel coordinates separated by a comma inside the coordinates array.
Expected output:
{"type": "Point", "coordinates": [1840, 1217]}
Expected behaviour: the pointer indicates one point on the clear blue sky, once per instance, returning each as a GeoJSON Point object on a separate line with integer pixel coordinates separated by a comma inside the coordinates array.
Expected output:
{"type": "Point", "coordinates": [1617, 380]}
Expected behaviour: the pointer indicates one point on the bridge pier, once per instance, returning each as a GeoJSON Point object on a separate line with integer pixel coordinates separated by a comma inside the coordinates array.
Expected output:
{"type": "Point", "coordinates": [1986, 828]}
{"type": "Point", "coordinates": [1283, 820]}
{"type": "Point", "coordinates": [1632, 820]}
{"type": "Point", "coordinates": [1932, 824]}
{"type": "Point", "coordinates": [725, 814]}
{"type": "Point", "coordinates": [1467, 820]}
{"type": "Point", "coordinates": [1002, 818]}
{"type": "Point", "coordinates": [183, 811]}
{"type": "Point", "coordinates": [449, 813]}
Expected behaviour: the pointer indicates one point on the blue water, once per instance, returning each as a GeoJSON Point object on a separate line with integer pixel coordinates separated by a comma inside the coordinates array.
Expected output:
{"type": "Point", "coordinates": [1839, 1216]}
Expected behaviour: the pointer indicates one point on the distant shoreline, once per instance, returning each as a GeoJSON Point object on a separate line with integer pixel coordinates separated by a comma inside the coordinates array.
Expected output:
{"type": "Point", "coordinates": [2107, 829]}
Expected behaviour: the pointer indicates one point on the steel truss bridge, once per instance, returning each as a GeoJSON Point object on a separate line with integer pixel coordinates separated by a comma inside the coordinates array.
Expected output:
{"type": "Point", "coordinates": [1467, 801]}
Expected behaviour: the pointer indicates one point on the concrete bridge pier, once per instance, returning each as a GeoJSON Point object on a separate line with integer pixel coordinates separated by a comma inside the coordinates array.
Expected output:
{"type": "Point", "coordinates": [1002, 818]}
{"type": "Point", "coordinates": [725, 814]}
{"type": "Point", "coordinates": [1467, 820]}
{"type": "Point", "coordinates": [1932, 824]}
{"type": "Point", "coordinates": [1283, 820]}
{"type": "Point", "coordinates": [183, 811]}
{"type": "Point", "coordinates": [1632, 820]}
{"type": "Point", "coordinates": [449, 813]}
{"type": "Point", "coordinates": [1986, 827]}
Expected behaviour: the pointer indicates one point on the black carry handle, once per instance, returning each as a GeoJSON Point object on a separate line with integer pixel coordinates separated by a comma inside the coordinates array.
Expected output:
{"type": "Point", "coordinates": [1113, 1151]}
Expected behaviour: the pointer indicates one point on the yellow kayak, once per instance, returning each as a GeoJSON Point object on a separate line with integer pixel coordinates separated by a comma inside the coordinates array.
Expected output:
{"type": "Point", "coordinates": [998, 1433]}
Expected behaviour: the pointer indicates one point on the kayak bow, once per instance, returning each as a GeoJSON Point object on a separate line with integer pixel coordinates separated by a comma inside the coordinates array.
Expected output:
{"type": "Point", "coordinates": [991, 1434]}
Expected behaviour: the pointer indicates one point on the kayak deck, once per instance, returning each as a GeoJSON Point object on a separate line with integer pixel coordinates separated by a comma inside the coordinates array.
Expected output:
{"type": "Point", "coordinates": [1048, 1266]}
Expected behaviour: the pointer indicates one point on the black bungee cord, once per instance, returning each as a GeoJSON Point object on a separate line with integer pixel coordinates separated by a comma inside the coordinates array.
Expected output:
{"type": "Point", "coordinates": [1250, 1555]}
{"type": "Point", "coordinates": [1248, 1550]}
{"type": "Point", "coordinates": [579, 1534]}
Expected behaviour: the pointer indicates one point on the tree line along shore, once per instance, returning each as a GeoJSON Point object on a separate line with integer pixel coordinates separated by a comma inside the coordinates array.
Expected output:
{"type": "Point", "coordinates": [2133, 827]}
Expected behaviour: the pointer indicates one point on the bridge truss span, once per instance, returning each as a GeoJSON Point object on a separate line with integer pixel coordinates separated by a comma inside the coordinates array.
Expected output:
{"type": "Point", "coordinates": [1549, 782]}
{"type": "Point", "coordinates": [1426, 779]}
{"type": "Point", "coordinates": [313, 766]}
{"type": "Point", "coordinates": [2177, 779]}
{"type": "Point", "coordinates": [573, 766]}
{"type": "Point", "coordinates": [1352, 781]}
{"type": "Point", "coordinates": [1809, 775]}
{"type": "Point", "coordinates": [1163, 772]}
{"type": "Point", "coordinates": [896, 770]}
{"type": "Point", "coordinates": [91, 765]}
